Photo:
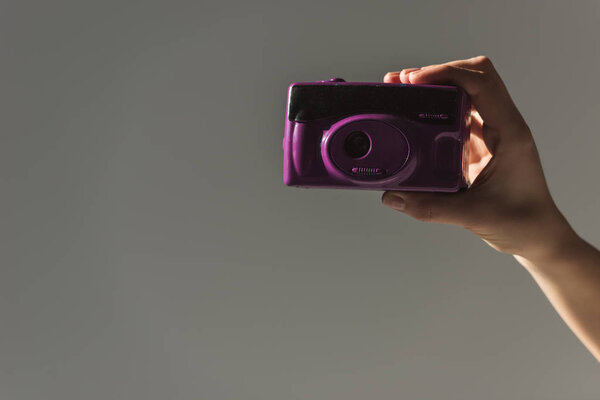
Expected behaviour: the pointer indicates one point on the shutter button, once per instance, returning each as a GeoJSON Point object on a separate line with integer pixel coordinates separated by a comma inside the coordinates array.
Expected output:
{"type": "Point", "coordinates": [333, 80]}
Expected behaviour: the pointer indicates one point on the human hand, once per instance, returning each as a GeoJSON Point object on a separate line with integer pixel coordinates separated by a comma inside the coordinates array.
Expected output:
{"type": "Point", "coordinates": [508, 204]}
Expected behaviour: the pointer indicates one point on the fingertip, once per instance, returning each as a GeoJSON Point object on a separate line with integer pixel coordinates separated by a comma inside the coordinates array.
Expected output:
{"type": "Point", "coordinates": [404, 74]}
{"type": "Point", "coordinates": [391, 77]}
{"type": "Point", "coordinates": [383, 196]}
{"type": "Point", "coordinates": [393, 200]}
{"type": "Point", "coordinates": [421, 75]}
{"type": "Point", "coordinates": [414, 76]}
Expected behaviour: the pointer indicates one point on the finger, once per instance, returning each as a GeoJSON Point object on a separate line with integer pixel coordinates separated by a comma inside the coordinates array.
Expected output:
{"type": "Point", "coordinates": [475, 63]}
{"type": "Point", "coordinates": [477, 149]}
{"type": "Point", "coordinates": [483, 132]}
{"type": "Point", "coordinates": [392, 77]}
{"type": "Point", "coordinates": [398, 76]}
{"type": "Point", "coordinates": [446, 208]}
{"type": "Point", "coordinates": [476, 125]}
{"type": "Point", "coordinates": [476, 116]}
{"type": "Point", "coordinates": [479, 156]}
{"type": "Point", "coordinates": [481, 81]}
{"type": "Point", "coordinates": [475, 168]}
{"type": "Point", "coordinates": [479, 63]}
{"type": "Point", "coordinates": [404, 74]}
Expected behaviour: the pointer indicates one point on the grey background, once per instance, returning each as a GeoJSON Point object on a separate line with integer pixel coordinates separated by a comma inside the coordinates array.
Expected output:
{"type": "Point", "coordinates": [151, 251]}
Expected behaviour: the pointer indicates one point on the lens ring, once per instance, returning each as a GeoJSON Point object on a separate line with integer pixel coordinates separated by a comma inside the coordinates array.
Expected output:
{"type": "Point", "coordinates": [357, 144]}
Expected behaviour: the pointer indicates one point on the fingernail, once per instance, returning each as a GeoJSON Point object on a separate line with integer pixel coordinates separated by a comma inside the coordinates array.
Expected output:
{"type": "Point", "coordinates": [394, 201]}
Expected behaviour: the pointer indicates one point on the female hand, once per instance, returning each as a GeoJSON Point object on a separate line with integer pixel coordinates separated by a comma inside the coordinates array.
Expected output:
{"type": "Point", "coordinates": [508, 204]}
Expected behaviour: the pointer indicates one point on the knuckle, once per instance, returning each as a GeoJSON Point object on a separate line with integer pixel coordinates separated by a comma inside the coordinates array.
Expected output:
{"type": "Point", "coordinates": [484, 62]}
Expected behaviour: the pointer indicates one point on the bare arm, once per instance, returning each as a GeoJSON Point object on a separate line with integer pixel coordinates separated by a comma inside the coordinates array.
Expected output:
{"type": "Point", "coordinates": [509, 205]}
{"type": "Point", "coordinates": [570, 279]}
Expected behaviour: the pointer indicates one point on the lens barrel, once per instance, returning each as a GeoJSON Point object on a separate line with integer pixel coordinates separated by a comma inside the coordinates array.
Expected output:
{"type": "Point", "coordinates": [357, 144]}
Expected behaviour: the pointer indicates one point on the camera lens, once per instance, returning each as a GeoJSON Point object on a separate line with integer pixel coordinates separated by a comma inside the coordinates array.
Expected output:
{"type": "Point", "coordinates": [357, 144]}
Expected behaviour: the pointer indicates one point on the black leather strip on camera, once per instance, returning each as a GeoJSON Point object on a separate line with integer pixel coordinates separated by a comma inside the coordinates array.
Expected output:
{"type": "Point", "coordinates": [425, 104]}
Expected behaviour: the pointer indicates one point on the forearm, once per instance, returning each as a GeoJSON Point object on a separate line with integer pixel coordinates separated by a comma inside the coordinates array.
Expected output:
{"type": "Point", "coordinates": [570, 278]}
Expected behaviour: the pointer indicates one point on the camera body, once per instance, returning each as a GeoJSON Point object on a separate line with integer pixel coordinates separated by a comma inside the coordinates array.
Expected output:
{"type": "Point", "coordinates": [376, 136]}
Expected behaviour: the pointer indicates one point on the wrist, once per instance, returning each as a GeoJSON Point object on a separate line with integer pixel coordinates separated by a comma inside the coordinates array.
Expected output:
{"type": "Point", "coordinates": [553, 240]}
{"type": "Point", "coordinates": [557, 245]}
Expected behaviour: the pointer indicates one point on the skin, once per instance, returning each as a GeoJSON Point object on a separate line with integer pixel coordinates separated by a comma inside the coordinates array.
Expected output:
{"type": "Point", "coordinates": [508, 204]}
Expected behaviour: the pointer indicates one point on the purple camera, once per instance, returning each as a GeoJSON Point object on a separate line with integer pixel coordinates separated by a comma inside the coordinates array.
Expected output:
{"type": "Point", "coordinates": [377, 136]}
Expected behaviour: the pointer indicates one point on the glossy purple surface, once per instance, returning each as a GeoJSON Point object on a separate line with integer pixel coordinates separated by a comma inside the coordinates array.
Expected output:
{"type": "Point", "coordinates": [406, 153]}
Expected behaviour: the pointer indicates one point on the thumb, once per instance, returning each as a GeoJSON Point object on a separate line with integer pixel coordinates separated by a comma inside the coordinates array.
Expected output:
{"type": "Point", "coordinates": [445, 208]}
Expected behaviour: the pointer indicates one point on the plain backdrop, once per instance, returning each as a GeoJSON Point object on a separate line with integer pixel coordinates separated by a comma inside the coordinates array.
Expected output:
{"type": "Point", "coordinates": [149, 249]}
